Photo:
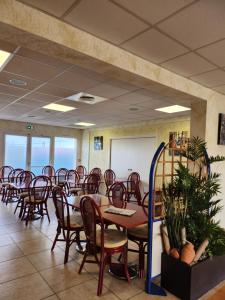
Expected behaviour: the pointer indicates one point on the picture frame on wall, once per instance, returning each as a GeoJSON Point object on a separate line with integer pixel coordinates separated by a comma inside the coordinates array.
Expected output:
{"type": "Point", "coordinates": [98, 143]}
{"type": "Point", "coordinates": [221, 130]}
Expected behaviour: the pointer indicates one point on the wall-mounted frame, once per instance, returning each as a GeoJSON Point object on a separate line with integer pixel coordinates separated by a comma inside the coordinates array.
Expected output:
{"type": "Point", "coordinates": [98, 143]}
{"type": "Point", "coordinates": [221, 130]}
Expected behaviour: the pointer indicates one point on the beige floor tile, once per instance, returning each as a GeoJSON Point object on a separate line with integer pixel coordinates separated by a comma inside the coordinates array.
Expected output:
{"type": "Point", "coordinates": [5, 240]}
{"type": "Point", "coordinates": [54, 297]}
{"type": "Point", "coordinates": [34, 246]}
{"type": "Point", "coordinates": [31, 287]}
{"type": "Point", "coordinates": [26, 235]}
{"type": "Point", "coordinates": [15, 268]}
{"type": "Point", "coordinates": [87, 291]}
{"type": "Point", "coordinates": [10, 252]}
{"type": "Point", "coordinates": [63, 276]}
{"type": "Point", "coordinates": [19, 226]}
{"type": "Point", "coordinates": [47, 259]}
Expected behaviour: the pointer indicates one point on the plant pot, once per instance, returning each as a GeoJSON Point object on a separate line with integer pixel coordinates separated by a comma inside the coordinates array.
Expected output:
{"type": "Point", "coordinates": [191, 282]}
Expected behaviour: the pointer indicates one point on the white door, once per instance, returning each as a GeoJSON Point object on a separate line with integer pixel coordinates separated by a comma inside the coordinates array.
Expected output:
{"type": "Point", "coordinates": [132, 155]}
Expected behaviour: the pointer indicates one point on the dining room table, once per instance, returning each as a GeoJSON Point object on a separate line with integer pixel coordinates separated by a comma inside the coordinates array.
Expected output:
{"type": "Point", "coordinates": [139, 217]}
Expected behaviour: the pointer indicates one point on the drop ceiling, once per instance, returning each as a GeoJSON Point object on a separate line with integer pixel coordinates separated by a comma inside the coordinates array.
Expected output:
{"type": "Point", "coordinates": [184, 36]}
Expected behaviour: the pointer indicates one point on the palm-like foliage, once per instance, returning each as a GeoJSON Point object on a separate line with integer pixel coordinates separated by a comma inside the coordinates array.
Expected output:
{"type": "Point", "coordinates": [190, 201]}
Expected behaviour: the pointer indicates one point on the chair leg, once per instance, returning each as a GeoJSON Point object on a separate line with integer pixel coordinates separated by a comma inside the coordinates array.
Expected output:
{"type": "Point", "coordinates": [83, 261]}
{"type": "Point", "coordinates": [67, 247]}
{"type": "Point", "coordinates": [101, 273]}
{"type": "Point", "coordinates": [46, 209]}
{"type": "Point", "coordinates": [28, 214]}
{"type": "Point", "coordinates": [141, 260]}
{"type": "Point", "coordinates": [125, 264]}
{"type": "Point", "coordinates": [56, 237]}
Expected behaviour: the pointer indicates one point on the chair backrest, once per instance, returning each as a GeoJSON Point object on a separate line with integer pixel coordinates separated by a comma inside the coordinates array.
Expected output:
{"type": "Point", "coordinates": [48, 171]}
{"type": "Point", "coordinates": [25, 177]}
{"type": "Point", "coordinates": [61, 207]}
{"type": "Point", "coordinates": [91, 215]}
{"type": "Point", "coordinates": [61, 174]}
{"type": "Point", "coordinates": [81, 170]}
{"type": "Point", "coordinates": [73, 176]}
{"type": "Point", "coordinates": [40, 187]}
{"type": "Point", "coordinates": [96, 171]}
{"type": "Point", "coordinates": [13, 174]}
{"type": "Point", "coordinates": [91, 184]}
{"type": "Point", "coordinates": [4, 172]}
{"type": "Point", "coordinates": [117, 195]}
{"type": "Point", "coordinates": [109, 177]}
{"type": "Point", "coordinates": [133, 181]}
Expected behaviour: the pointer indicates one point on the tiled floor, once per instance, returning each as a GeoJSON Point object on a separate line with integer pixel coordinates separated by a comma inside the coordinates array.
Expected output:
{"type": "Point", "coordinates": [29, 271]}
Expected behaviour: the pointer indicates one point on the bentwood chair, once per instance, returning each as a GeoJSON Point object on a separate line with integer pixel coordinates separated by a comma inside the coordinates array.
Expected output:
{"type": "Point", "coordinates": [72, 183]}
{"type": "Point", "coordinates": [25, 177]}
{"type": "Point", "coordinates": [9, 192]}
{"type": "Point", "coordinates": [81, 170]}
{"type": "Point", "coordinates": [48, 171]}
{"type": "Point", "coordinates": [117, 195]}
{"type": "Point", "coordinates": [91, 184]}
{"type": "Point", "coordinates": [110, 178]}
{"type": "Point", "coordinates": [4, 173]}
{"type": "Point", "coordinates": [36, 201]}
{"type": "Point", "coordinates": [96, 171]}
{"type": "Point", "coordinates": [69, 225]}
{"type": "Point", "coordinates": [109, 241]}
{"type": "Point", "coordinates": [139, 235]}
{"type": "Point", "coordinates": [61, 176]}
{"type": "Point", "coordinates": [133, 188]}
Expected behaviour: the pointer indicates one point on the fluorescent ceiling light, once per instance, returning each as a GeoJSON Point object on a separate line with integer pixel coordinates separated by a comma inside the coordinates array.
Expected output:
{"type": "Point", "coordinates": [4, 56]}
{"type": "Point", "coordinates": [173, 109]}
{"type": "Point", "coordinates": [84, 124]}
{"type": "Point", "coordinates": [59, 107]}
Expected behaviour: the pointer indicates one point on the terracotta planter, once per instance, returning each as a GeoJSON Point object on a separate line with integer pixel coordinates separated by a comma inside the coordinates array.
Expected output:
{"type": "Point", "coordinates": [191, 282]}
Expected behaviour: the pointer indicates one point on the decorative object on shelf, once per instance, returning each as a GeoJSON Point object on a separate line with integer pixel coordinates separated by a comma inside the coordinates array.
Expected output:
{"type": "Point", "coordinates": [98, 143]}
{"type": "Point", "coordinates": [221, 130]}
{"type": "Point", "coordinates": [190, 208]}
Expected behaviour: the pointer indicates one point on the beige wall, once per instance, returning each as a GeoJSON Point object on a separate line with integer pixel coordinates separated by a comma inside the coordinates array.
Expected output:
{"type": "Point", "coordinates": [11, 127]}
{"type": "Point", "coordinates": [101, 158]}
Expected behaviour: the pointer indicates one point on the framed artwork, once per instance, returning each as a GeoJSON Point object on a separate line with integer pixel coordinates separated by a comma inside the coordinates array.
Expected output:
{"type": "Point", "coordinates": [98, 143]}
{"type": "Point", "coordinates": [177, 139]}
{"type": "Point", "coordinates": [221, 130]}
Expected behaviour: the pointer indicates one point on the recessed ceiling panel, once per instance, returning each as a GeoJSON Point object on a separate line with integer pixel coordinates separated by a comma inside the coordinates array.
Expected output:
{"type": "Point", "coordinates": [215, 53]}
{"type": "Point", "coordinates": [153, 10]}
{"type": "Point", "coordinates": [29, 84]}
{"type": "Point", "coordinates": [55, 90]}
{"type": "Point", "coordinates": [105, 20]}
{"type": "Point", "coordinates": [197, 25]}
{"type": "Point", "coordinates": [154, 46]}
{"type": "Point", "coordinates": [107, 90]}
{"type": "Point", "coordinates": [211, 79]}
{"type": "Point", "coordinates": [188, 64]}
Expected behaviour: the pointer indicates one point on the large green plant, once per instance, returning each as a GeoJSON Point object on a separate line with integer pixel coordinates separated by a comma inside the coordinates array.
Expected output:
{"type": "Point", "coordinates": [190, 201]}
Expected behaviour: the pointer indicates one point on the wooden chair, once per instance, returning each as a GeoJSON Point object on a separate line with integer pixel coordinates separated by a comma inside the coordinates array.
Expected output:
{"type": "Point", "coordinates": [61, 176]}
{"type": "Point", "coordinates": [139, 235]}
{"type": "Point", "coordinates": [4, 173]}
{"type": "Point", "coordinates": [25, 177]}
{"type": "Point", "coordinates": [91, 184]}
{"type": "Point", "coordinates": [110, 178]}
{"type": "Point", "coordinates": [72, 183]}
{"type": "Point", "coordinates": [109, 241]}
{"type": "Point", "coordinates": [9, 192]}
{"type": "Point", "coordinates": [96, 171]}
{"type": "Point", "coordinates": [48, 171]}
{"type": "Point", "coordinates": [70, 225]}
{"type": "Point", "coordinates": [117, 195]}
{"type": "Point", "coordinates": [81, 170]}
{"type": "Point", "coordinates": [133, 188]}
{"type": "Point", "coordinates": [36, 201]}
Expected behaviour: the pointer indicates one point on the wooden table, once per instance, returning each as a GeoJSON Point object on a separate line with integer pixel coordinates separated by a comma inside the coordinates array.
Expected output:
{"type": "Point", "coordinates": [100, 200]}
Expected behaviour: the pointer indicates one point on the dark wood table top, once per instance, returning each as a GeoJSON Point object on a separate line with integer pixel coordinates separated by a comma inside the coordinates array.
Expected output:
{"type": "Point", "coordinates": [138, 218]}
{"type": "Point", "coordinates": [99, 199]}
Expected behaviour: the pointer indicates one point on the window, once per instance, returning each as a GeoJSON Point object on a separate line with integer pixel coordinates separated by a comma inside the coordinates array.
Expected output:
{"type": "Point", "coordinates": [16, 151]}
{"type": "Point", "coordinates": [40, 154]}
{"type": "Point", "coordinates": [65, 153]}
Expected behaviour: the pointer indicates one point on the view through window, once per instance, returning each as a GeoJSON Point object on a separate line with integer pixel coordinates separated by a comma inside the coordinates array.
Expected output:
{"type": "Point", "coordinates": [16, 151]}
{"type": "Point", "coordinates": [65, 153]}
{"type": "Point", "coordinates": [40, 154]}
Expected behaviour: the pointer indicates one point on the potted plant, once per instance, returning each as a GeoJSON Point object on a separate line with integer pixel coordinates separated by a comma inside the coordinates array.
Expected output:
{"type": "Point", "coordinates": [193, 261]}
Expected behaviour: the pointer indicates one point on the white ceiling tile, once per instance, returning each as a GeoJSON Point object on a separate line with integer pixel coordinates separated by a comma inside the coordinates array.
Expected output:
{"type": "Point", "coordinates": [154, 46]}
{"type": "Point", "coordinates": [6, 46]}
{"type": "Point", "coordinates": [42, 97]}
{"type": "Point", "coordinates": [11, 90]}
{"type": "Point", "coordinates": [197, 25]}
{"type": "Point", "coordinates": [153, 10]}
{"type": "Point", "coordinates": [220, 89]}
{"type": "Point", "coordinates": [53, 7]}
{"type": "Point", "coordinates": [31, 84]}
{"type": "Point", "coordinates": [211, 79]}
{"type": "Point", "coordinates": [55, 90]}
{"type": "Point", "coordinates": [105, 20]}
{"type": "Point", "coordinates": [131, 98]}
{"type": "Point", "coordinates": [215, 53]}
{"type": "Point", "coordinates": [107, 90]}
{"type": "Point", "coordinates": [74, 81]}
{"type": "Point", "coordinates": [7, 98]}
{"type": "Point", "coordinates": [188, 64]}
{"type": "Point", "coordinates": [29, 68]}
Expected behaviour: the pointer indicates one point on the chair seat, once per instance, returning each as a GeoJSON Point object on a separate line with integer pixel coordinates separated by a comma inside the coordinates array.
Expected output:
{"type": "Point", "coordinates": [139, 232]}
{"type": "Point", "coordinates": [112, 238]}
{"type": "Point", "coordinates": [23, 194]}
{"type": "Point", "coordinates": [75, 189]}
{"type": "Point", "coordinates": [75, 221]}
{"type": "Point", "coordinates": [32, 200]}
